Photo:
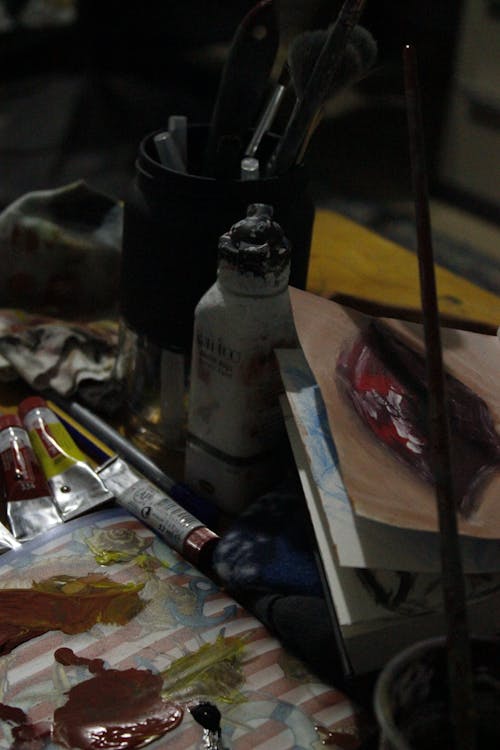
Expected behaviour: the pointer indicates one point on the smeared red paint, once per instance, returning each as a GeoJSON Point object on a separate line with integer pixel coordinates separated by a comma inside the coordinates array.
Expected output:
{"type": "Point", "coordinates": [387, 385]}
{"type": "Point", "coordinates": [65, 603]}
{"type": "Point", "coordinates": [113, 710]}
{"type": "Point", "coordinates": [388, 407]}
{"type": "Point", "coordinates": [68, 658]}
{"type": "Point", "coordinates": [119, 709]}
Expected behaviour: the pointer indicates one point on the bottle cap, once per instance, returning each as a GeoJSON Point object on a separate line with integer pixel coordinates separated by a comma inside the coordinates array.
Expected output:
{"type": "Point", "coordinates": [199, 547]}
{"type": "Point", "coordinates": [256, 243]}
{"type": "Point", "coordinates": [32, 402]}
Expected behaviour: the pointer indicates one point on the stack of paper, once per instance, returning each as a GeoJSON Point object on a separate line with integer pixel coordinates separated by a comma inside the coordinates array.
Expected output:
{"type": "Point", "coordinates": [383, 577]}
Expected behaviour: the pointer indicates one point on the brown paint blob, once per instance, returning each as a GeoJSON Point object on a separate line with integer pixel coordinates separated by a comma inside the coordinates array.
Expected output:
{"type": "Point", "coordinates": [70, 604]}
{"type": "Point", "coordinates": [119, 709]}
{"type": "Point", "coordinates": [12, 714]}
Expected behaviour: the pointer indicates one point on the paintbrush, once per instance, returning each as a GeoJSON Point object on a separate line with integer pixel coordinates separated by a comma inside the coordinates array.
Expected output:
{"type": "Point", "coordinates": [269, 112]}
{"type": "Point", "coordinates": [458, 651]}
{"type": "Point", "coordinates": [316, 90]}
{"type": "Point", "coordinates": [244, 83]}
{"type": "Point", "coordinates": [359, 56]}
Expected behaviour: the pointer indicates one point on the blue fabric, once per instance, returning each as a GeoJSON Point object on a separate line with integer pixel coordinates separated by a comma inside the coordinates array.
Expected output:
{"type": "Point", "coordinates": [269, 548]}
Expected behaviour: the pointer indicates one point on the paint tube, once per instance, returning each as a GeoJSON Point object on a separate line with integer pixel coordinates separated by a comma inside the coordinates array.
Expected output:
{"type": "Point", "coordinates": [75, 485]}
{"type": "Point", "coordinates": [30, 507]}
{"type": "Point", "coordinates": [182, 531]}
{"type": "Point", "coordinates": [7, 540]}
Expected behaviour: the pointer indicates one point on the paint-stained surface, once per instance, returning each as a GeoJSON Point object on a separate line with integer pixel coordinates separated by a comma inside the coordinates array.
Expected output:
{"type": "Point", "coordinates": [72, 604]}
{"type": "Point", "coordinates": [125, 684]}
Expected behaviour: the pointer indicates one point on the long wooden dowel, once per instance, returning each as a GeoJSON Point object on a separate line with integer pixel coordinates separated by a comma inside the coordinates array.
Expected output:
{"type": "Point", "coordinates": [459, 658]}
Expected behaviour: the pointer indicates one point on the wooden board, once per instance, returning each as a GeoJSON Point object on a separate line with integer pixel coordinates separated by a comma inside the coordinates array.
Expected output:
{"type": "Point", "coordinates": [356, 266]}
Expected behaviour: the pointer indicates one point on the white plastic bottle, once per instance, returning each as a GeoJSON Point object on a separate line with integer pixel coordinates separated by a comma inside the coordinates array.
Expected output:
{"type": "Point", "coordinates": [235, 423]}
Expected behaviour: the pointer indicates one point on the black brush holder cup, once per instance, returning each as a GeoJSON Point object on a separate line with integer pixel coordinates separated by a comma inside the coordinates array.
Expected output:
{"type": "Point", "coordinates": [172, 225]}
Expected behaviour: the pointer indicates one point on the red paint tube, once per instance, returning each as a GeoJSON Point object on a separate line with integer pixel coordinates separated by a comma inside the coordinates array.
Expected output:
{"type": "Point", "coordinates": [7, 540]}
{"type": "Point", "coordinates": [30, 507]}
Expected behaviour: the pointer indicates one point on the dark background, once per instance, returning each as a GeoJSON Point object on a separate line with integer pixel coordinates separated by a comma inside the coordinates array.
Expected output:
{"type": "Point", "coordinates": [75, 99]}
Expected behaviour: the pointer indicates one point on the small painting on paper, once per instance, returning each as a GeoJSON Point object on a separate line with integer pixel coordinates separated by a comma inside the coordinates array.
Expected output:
{"type": "Point", "coordinates": [372, 376]}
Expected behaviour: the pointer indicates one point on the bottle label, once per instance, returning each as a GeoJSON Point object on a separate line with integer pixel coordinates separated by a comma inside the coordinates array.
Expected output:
{"type": "Point", "coordinates": [235, 396]}
{"type": "Point", "coordinates": [230, 484]}
{"type": "Point", "coordinates": [162, 514]}
{"type": "Point", "coordinates": [235, 421]}
{"type": "Point", "coordinates": [216, 356]}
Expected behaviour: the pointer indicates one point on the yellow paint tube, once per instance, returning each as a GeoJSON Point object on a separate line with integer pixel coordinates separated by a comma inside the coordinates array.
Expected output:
{"type": "Point", "coordinates": [74, 484]}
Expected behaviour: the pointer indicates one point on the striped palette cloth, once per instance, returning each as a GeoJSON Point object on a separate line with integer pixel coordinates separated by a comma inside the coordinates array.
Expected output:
{"type": "Point", "coordinates": [280, 704]}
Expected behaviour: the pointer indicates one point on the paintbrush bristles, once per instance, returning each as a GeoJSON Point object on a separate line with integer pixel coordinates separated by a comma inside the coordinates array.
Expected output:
{"type": "Point", "coordinates": [359, 56]}
{"type": "Point", "coordinates": [306, 110]}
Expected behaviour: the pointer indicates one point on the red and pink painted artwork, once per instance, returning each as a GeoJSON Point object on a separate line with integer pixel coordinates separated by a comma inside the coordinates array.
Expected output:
{"type": "Point", "coordinates": [372, 376]}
